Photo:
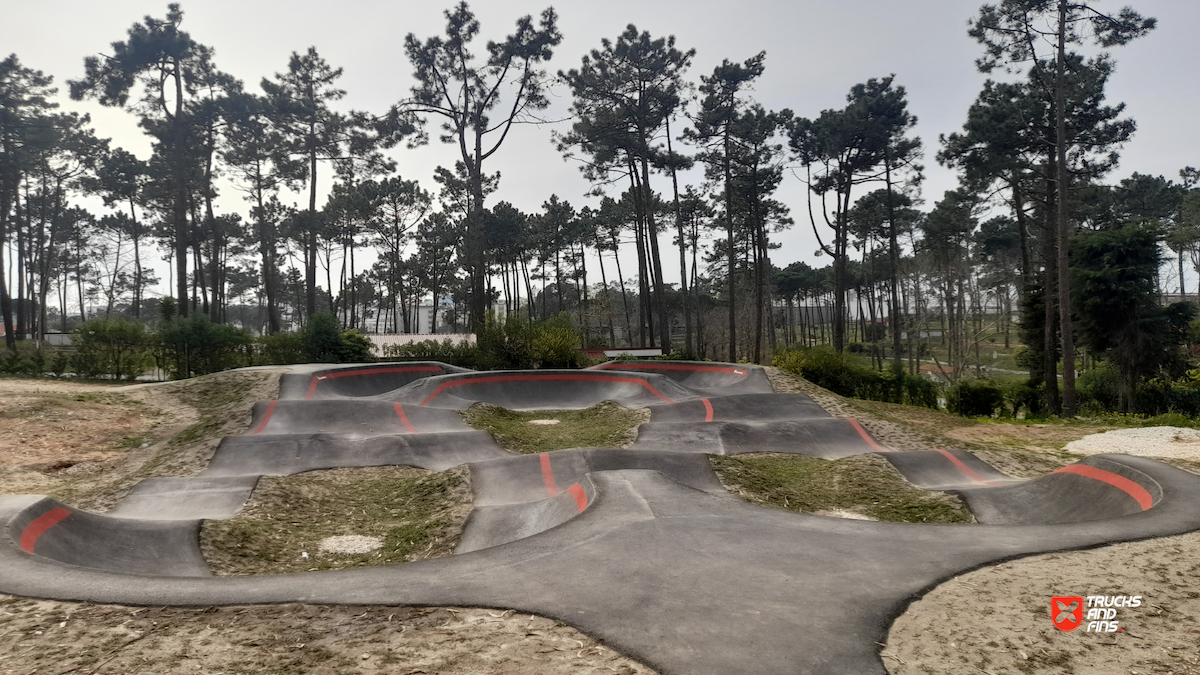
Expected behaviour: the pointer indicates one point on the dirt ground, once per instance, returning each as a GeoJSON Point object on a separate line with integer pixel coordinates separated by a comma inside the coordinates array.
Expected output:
{"type": "Point", "coordinates": [52, 637]}
{"type": "Point", "coordinates": [996, 620]}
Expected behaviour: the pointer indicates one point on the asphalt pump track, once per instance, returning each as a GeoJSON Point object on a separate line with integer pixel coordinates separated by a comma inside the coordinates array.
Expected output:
{"type": "Point", "coordinates": [639, 547]}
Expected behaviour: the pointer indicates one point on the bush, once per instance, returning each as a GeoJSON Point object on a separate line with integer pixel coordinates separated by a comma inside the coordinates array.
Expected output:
{"type": "Point", "coordinates": [975, 398]}
{"type": "Point", "coordinates": [112, 347]}
{"type": "Point", "coordinates": [280, 350]}
{"type": "Point", "coordinates": [197, 346]}
{"type": "Point", "coordinates": [1099, 388]}
{"type": "Point", "coordinates": [826, 368]}
{"type": "Point", "coordinates": [511, 343]}
{"type": "Point", "coordinates": [555, 344]}
{"type": "Point", "coordinates": [324, 342]}
{"type": "Point", "coordinates": [1023, 395]}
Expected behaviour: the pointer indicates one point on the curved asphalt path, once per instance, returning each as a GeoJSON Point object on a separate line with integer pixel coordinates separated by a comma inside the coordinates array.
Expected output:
{"type": "Point", "coordinates": [640, 547]}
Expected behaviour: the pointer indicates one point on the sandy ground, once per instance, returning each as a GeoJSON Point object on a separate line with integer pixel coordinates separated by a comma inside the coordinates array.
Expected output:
{"type": "Point", "coordinates": [53, 637]}
{"type": "Point", "coordinates": [996, 620]}
{"type": "Point", "coordinates": [1170, 442]}
{"type": "Point", "coordinates": [51, 431]}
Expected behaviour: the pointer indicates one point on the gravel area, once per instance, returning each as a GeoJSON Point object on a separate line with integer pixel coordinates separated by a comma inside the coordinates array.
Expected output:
{"type": "Point", "coordinates": [1173, 442]}
{"type": "Point", "coordinates": [350, 544]}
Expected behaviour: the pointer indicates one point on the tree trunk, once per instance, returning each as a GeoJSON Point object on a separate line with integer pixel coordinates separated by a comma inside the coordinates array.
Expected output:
{"type": "Point", "coordinates": [1064, 223]}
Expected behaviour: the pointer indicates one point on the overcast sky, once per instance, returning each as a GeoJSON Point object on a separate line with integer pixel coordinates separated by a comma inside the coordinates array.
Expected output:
{"type": "Point", "coordinates": [816, 50]}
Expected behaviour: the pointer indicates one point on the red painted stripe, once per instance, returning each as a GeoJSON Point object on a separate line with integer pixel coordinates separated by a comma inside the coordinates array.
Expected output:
{"type": "Point", "coordinates": [312, 388]}
{"type": "Point", "coordinates": [867, 437]}
{"type": "Point", "coordinates": [556, 376]}
{"type": "Point", "coordinates": [266, 418]}
{"type": "Point", "coordinates": [38, 527]}
{"type": "Point", "coordinates": [708, 413]}
{"type": "Point", "coordinates": [404, 418]}
{"type": "Point", "coordinates": [1118, 481]}
{"type": "Point", "coordinates": [671, 366]}
{"type": "Point", "coordinates": [966, 469]}
{"type": "Point", "coordinates": [580, 496]}
{"type": "Point", "coordinates": [548, 474]}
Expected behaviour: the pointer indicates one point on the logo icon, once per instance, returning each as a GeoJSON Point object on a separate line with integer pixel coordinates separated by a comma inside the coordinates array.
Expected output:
{"type": "Point", "coordinates": [1066, 611]}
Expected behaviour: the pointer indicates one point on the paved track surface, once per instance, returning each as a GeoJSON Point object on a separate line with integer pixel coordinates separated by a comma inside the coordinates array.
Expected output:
{"type": "Point", "coordinates": [640, 547]}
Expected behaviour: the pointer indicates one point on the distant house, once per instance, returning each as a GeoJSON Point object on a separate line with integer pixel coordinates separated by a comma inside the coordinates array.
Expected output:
{"type": "Point", "coordinates": [936, 372]}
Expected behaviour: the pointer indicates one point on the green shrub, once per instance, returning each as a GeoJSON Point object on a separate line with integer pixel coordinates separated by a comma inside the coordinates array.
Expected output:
{"type": "Point", "coordinates": [322, 338]}
{"type": "Point", "coordinates": [281, 349]}
{"type": "Point", "coordinates": [825, 367]}
{"type": "Point", "coordinates": [503, 344]}
{"type": "Point", "coordinates": [323, 341]}
{"type": "Point", "coordinates": [556, 344]}
{"type": "Point", "coordinates": [1099, 388]}
{"type": "Point", "coordinates": [1024, 396]}
{"type": "Point", "coordinates": [112, 347]}
{"type": "Point", "coordinates": [197, 346]}
{"type": "Point", "coordinates": [60, 362]}
{"type": "Point", "coordinates": [975, 398]}
{"type": "Point", "coordinates": [354, 348]}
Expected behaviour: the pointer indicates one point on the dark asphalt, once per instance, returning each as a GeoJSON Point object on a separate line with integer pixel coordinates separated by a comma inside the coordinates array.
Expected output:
{"type": "Point", "coordinates": [641, 547]}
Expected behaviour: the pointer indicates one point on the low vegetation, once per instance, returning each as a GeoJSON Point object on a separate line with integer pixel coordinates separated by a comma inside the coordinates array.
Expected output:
{"type": "Point", "coordinates": [864, 485]}
{"type": "Point", "coordinates": [604, 425]}
{"type": "Point", "coordinates": [416, 514]}
{"type": "Point", "coordinates": [825, 367]}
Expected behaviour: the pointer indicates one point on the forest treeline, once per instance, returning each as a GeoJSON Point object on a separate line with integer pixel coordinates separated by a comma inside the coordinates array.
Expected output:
{"type": "Point", "coordinates": [1032, 231]}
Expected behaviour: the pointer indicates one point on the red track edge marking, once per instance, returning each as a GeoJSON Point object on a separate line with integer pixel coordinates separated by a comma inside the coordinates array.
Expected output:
{"type": "Point", "coordinates": [548, 474]}
{"type": "Point", "coordinates": [966, 469]}
{"type": "Point", "coordinates": [518, 378]}
{"type": "Point", "coordinates": [580, 496]}
{"type": "Point", "coordinates": [1139, 493]}
{"type": "Point", "coordinates": [266, 418]}
{"type": "Point", "coordinates": [312, 388]}
{"type": "Point", "coordinates": [867, 437]}
{"type": "Point", "coordinates": [674, 366]}
{"type": "Point", "coordinates": [404, 418]}
{"type": "Point", "coordinates": [38, 527]}
{"type": "Point", "coordinates": [708, 411]}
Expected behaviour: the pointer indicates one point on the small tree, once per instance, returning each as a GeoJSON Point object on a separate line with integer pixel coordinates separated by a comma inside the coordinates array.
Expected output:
{"type": "Point", "coordinates": [1114, 280]}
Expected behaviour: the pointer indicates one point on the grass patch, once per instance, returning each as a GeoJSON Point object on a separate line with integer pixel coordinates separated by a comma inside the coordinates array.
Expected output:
{"type": "Point", "coordinates": [604, 425]}
{"type": "Point", "coordinates": [864, 484]}
{"type": "Point", "coordinates": [212, 396]}
{"type": "Point", "coordinates": [418, 515]}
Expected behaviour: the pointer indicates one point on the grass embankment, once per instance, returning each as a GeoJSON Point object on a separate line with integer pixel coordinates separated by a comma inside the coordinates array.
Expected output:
{"type": "Point", "coordinates": [864, 485]}
{"type": "Point", "coordinates": [417, 514]}
{"type": "Point", "coordinates": [604, 425]}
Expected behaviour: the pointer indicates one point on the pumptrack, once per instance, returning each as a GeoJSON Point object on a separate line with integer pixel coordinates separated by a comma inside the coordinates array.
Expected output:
{"type": "Point", "coordinates": [639, 547]}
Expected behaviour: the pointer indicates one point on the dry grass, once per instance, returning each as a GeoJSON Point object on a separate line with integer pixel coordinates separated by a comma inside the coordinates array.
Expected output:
{"type": "Point", "coordinates": [866, 485]}
{"type": "Point", "coordinates": [417, 514]}
{"type": "Point", "coordinates": [604, 425]}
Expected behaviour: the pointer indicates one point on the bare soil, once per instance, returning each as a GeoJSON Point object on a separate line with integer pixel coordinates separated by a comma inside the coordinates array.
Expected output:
{"type": "Point", "coordinates": [54, 637]}
{"type": "Point", "coordinates": [997, 619]}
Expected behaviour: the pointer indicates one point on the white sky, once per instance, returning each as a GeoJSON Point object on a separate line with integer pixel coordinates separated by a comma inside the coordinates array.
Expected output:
{"type": "Point", "coordinates": [816, 50]}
